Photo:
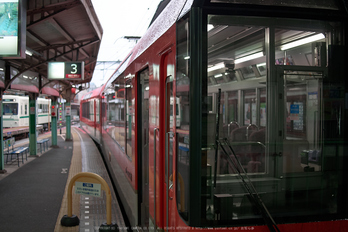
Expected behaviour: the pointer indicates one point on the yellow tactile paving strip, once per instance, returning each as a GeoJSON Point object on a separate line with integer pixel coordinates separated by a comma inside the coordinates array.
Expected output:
{"type": "Point", "coordinates": [75, 168]}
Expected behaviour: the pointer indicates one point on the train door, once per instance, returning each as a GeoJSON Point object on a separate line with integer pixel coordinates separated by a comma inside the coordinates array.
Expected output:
{"type": "Point", "coordinates": [143, 155]}
{"type": "Point", "coordinates": [299, 125]}
{"type": "Point", "coordinates": [170, 122]}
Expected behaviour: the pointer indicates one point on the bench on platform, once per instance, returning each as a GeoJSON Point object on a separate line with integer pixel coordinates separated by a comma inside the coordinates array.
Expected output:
{"type": "Point", "coordinates": [8, 145]}
{"type": "Point", "coordinates": [43, 143]}
{"type": "Point", "coordinates": [10, 150]}
{"type": "Point", "coordinates": [19, 151]}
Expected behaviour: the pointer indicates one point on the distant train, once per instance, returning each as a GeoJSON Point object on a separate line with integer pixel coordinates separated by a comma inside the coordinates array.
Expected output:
{"type": "Point", "coordinates": [16, 111]}
{"type": "Point", "coordinates": [259, 138]}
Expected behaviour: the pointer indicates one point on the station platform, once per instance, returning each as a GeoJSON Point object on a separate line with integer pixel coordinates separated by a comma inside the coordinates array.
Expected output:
{"type": "Point", "coordinates": [33, 197]}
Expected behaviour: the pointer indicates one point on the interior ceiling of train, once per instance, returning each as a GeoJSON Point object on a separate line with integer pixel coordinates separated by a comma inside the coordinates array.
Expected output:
{"type": "Point", "coordinates": [61, 31]}
{"type": "Point", "coordinates": [237, 53]}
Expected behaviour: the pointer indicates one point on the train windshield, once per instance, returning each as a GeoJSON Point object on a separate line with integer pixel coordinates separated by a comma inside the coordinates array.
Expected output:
{"type": "Point", "coordinates": [271, 121]}
{"type": "Point", "coordinates": [10, 108]}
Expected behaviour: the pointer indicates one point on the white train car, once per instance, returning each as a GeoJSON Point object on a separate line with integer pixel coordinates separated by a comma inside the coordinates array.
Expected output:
{"type": "Point", "coordinates": [16, 111]}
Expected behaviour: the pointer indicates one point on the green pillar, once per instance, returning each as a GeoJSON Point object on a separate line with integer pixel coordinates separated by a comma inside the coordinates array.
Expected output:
{"type": "Point", "coordinates": [68, 120]}
{"type": "Point", "coordinates": [2, 166]}
{"type": "Point", "coordinates": [54, 123]}
{"type": "Point", "coordinates": [32, 125]}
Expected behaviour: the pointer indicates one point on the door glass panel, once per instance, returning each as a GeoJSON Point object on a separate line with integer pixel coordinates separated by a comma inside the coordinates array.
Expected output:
{"type": "Point", "coordinates": [236, 67]}
{"type": "Point", "coordinates": [183, 119]}
{"type": "Point", "coordinates": [171, 107]}
{"type": "Point", "coordinates": [302, 146]}
{"type": "Point", "coordinates": [130, 112]}
{"type": "Point", "coordinates": [144, 137]}
{"type": "Point", "coordinates": [279, 122]}
{"type": "Point", "coordinates": [170, 119]}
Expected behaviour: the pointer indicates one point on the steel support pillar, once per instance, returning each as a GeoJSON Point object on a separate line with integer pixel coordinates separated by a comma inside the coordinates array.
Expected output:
{"type": "Point", "coordinates": [54, 123]}
{"type": "Point", "coordinates": [2, 165]}
{"type": "Point", "coordinates": [32, 125]}
{"type": "Point", "coordinates": [68, 120]}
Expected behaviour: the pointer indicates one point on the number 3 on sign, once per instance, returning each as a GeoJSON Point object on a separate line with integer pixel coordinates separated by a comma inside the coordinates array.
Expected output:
{"type": "Point", "coordinates": [74, 68]}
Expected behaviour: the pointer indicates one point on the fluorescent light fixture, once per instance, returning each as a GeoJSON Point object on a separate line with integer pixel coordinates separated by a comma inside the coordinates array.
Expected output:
{"type": "Point", "coordinates": [186, 57]}
{"type": "Point", "coordinates": [261, 64]}
{"type": "Point", "coordinates": [302, 41]}
{"type": "Point", "coordinates": [218, 75]}
{"type": "Point", "coordinates": [29, 53]}
{"type": "Point", "coordinates": [216, 67]}
{"type": "Point", "coordinates": [210, 26]}
{"type": "Point", "coordinates": [250, 57]}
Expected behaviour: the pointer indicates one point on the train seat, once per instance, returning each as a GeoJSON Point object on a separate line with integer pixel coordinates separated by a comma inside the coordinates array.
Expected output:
{"type": "Point", "coordinates": [239, 134]}
{"type": "Point", "coordinates": [231, 126]}
{"type": "Point", "coordinates": [257, 151]}
{"type": "Point", "coordinates": [314, 156]}
{"type": "Point", "coordinates": [292, 155]}
{"type": "Point", "coordinates": [238, 139]}
{"type": "Point", "coordinates": [254, 166]}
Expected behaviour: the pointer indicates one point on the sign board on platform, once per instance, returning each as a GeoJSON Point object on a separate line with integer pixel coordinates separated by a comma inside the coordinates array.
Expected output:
{"type": "Point", "coordinates": [72, 70]}
{"type": "Point", "coordinates": [89, 189]}
{"type": "Point", "coordinates": [67, 110]}
{"type": "Point", "coordinates": [13, 29]}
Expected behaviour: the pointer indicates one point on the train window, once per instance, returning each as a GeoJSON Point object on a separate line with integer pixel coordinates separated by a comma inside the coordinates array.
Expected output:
{"type": "Point", "coordinates": [104, 110]}
{"type": "Point", "coordinates": [97, 110]}
{"type": "Point", "coordinates": [42, 108]}
{"type": "Point", "coordinates": [129, 110]}
{"type": "Point", "coordinates": [91, 110]}
{"type": "Point", "coordinates": [294, 47]}
{"type": "Point", "coordinates": [262, 107]}
{"type": "Point", "coordinates": [302, 121]}
{"type": "Point", "coordinates": [10, 108]}
{"type": "Point", "coordinates": [249, 107]}
{"type": "Point", "coordinates": [115, 123]}
{"type": "Point", "coordinates": [85, 110]}
{"type": "Point", "coordinates": [249, 72]}
{"type": "Point", "coordinates": [232, 108]}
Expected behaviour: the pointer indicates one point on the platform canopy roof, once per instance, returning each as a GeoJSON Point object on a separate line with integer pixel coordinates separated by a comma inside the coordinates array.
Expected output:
{"type": "Point", "coordinates": [56, 30]}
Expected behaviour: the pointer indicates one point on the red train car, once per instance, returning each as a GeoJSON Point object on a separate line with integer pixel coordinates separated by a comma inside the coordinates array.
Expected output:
{"type": "Point", "coordinates": [230, 115]}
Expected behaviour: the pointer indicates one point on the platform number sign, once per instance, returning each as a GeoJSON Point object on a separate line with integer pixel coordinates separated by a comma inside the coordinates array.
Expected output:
{"type": "Point", "coordinates": [72, 70]}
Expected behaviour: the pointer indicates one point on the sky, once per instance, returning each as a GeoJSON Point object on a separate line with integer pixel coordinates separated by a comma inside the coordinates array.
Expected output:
{"type": "Point", "coordinates": [119, 18]}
